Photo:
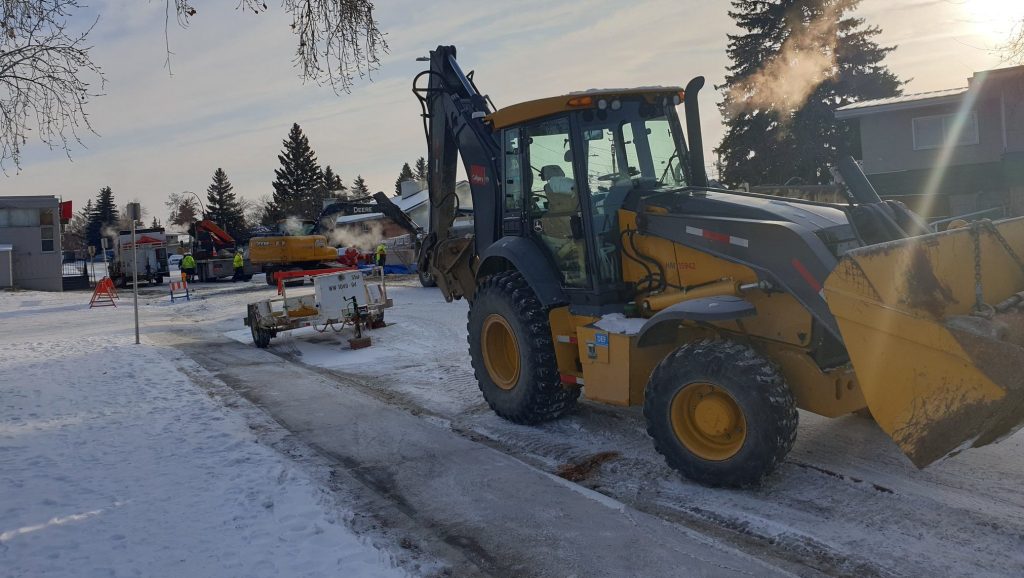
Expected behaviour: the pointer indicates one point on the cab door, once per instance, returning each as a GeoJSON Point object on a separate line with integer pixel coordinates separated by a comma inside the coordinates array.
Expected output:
{"type": "Point", "coordinates": [552, 206]}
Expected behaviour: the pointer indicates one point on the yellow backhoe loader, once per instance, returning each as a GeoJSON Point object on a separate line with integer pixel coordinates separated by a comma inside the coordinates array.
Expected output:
{"type": "Point", "coordinates": [602, 261]}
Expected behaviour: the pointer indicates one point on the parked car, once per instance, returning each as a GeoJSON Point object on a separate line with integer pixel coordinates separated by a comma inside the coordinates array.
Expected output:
{"type": "Point", "coordinates": [174, 261]}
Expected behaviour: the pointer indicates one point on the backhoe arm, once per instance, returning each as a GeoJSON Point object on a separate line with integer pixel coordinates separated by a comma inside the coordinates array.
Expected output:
{"type": "Point", "coordinates": [453, 123]}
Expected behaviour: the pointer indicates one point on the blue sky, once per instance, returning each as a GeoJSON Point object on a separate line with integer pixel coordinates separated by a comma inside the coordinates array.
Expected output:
{"type": "Point", "coordinates": [234, 93]}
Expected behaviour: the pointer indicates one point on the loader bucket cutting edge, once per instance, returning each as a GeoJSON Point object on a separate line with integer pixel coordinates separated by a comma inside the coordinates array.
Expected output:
{"type": "Point", "coordinates": [936, 379]}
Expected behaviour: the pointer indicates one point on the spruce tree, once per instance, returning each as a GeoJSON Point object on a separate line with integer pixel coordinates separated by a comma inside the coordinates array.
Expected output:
{"type": "Point", "coordinates": [359, 188]}
{"type": "Point", "coordinates": [421, 169]}
{"type": "Point", "coordinates": [406, 174]}
{"type": "Point", "coordinates": [223, 207]}
{"type": "Point", "coordinates": [796, 62]}
{"type": "Point", "coordinates": [299, 181]}
{"type": "Point", "coordinates": [104, 214]}
{"type": "Point", "coordinates": [332, 181]}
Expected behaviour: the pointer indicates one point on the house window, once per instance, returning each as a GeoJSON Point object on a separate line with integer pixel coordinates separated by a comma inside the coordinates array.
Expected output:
{"type": "Point", "coordinates": [46, 229]}
{"type": "Point", "coordinates": [932, 132]}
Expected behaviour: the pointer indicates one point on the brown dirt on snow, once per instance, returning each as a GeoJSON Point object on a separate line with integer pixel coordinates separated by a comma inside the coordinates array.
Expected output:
{"type": "Point", "coordinates": [582, 469]}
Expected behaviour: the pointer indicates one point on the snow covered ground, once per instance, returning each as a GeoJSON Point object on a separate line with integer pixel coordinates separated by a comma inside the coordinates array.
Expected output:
{"type": "Point", "coordinates": [845, 502]}
{"type": "Point", "coordinates": [113, 462]}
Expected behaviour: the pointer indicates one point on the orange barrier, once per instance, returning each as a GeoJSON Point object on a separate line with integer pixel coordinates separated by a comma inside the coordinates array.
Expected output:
{"type": "Point", "coordinates": [104, 294]}
{"type": "Point", "coordinates": [177, 288]}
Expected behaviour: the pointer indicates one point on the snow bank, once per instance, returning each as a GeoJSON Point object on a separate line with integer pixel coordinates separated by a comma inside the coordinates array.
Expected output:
{"type": "Point", "coordinates": [112, 462]}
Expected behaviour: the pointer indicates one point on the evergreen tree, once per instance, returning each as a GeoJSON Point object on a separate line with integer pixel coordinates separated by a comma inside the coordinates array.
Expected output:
{"type": "Point", "coordinates": [299, 181]}
{"type": "Point", "coordinates": [104, 214]}
{"type": "Point", "coordinates": [421, 169]}
{"type": "Point", "coordinates": [359, 188]}
{"type": "Point", "coordinates": [333, 182]}
{"type": "Point", "coordinates": [223, 207]}
{"type": "Point", "coordinates": [794, 64]}
{"type": "Point", "coordinates": [155, 224]}
{"type": "Point", "coordinates": [405, 175]}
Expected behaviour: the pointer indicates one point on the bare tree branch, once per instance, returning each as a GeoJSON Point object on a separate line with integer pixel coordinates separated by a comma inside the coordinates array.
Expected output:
{"type": "Point", "coordinates": [338, 40]}
{"type": "Point", "coordinates": [47, 77]}
{"type": "Point", "coordinates": [1013, 50]}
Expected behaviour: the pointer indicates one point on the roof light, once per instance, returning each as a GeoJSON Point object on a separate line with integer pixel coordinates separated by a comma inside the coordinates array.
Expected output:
{"type": "Point", "coordinates": [616, 104]}
{"type": "Point", "coordinates": [581, 101]}
{"type": "Point", "coordinates": [681, 95]}
{"type": "Point", "coordinates": [602, 104]}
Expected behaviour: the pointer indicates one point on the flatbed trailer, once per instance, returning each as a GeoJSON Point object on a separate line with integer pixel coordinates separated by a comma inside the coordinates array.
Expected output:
{"type": "Point", "coordinates": [340, 298]}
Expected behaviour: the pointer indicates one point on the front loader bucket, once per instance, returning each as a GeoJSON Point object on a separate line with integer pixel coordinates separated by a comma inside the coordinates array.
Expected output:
{"type": "Point", "coordinates": [937, 378]}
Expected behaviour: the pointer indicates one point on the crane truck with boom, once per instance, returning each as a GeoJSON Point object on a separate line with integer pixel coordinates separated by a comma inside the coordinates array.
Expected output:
{"type": "Point", "coordinates": [603, 261]}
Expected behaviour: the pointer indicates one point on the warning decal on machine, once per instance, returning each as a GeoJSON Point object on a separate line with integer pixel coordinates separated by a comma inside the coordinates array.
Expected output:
{"type": "Point", "coordinates": [478, 174]}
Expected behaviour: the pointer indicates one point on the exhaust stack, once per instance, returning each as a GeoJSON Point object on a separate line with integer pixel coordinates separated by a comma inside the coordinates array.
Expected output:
{"type": "Point", "coordinates": [696, 142]}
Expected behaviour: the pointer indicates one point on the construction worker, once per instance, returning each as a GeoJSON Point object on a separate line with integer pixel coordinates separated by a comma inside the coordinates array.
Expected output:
{"type": "Point", "coordinates": [188, 267]}
{"type": "Point", "coordinates": [380, 256]}
{"type": "Point", "coordinates": [239, 264]}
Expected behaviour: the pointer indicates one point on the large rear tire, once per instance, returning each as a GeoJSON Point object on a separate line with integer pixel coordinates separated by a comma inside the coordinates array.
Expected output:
{"type": "Point", "coordinates": [720, 413]}
{"type": "Point", "coordinates": [513, 354]}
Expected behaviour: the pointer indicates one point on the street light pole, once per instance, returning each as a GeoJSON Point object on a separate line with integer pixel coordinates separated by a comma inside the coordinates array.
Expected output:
{"type": "Point", "coordinates": [134, 213]}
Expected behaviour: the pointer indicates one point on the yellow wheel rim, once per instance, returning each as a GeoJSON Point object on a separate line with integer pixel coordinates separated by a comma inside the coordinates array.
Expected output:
{"type": "Point", "coordinates": [708, 421]}
{"type": "Point", "coordinates": [501, 351]}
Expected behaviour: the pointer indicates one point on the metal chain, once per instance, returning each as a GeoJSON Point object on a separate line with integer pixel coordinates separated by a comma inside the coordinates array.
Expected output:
{"type": "Point", "coordinates": [1006, 245]}
{"type": "Point", "coordinates": [979, 300]}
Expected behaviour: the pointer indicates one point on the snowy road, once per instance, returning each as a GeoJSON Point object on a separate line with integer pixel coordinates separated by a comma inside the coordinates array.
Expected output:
{"type": "Point", "coordinates": [844, 503]}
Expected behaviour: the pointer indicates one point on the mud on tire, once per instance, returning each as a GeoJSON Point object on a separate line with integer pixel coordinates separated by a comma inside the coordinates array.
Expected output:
{"type": "Point", "coordinates": [538, 394]}
{"type": "Point", "coordinates": [757, 388]}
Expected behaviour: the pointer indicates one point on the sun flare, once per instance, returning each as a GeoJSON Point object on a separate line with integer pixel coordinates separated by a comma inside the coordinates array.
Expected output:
{"type": "Point", "coordinates": [994, 20]}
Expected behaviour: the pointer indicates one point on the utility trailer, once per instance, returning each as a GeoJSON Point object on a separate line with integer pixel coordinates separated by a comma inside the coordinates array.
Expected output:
{"type": "Point", "coordinates": [340, 298]}
{"type": "Point", "coordinates": [152, 257]}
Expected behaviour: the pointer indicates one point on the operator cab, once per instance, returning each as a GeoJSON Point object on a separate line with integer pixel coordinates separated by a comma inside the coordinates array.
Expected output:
{"type": "Point", "coordinates": [570, 163]}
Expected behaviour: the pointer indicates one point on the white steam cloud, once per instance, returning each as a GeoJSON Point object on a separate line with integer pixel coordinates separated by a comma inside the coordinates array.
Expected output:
{"type": "Point", "coordinates": [807, 58]}
{"type": "Point", "coordinates": [364, 241]}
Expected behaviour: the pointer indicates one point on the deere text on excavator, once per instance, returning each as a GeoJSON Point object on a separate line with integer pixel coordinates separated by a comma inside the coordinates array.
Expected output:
{"type": "Point", "coordinates": [602, 261]}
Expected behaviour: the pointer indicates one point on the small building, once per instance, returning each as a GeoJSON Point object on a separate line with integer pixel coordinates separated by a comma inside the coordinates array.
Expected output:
{"type": "Point", "coordinates": [6, 266]}
{"type": "Point", "coordinates": [948, 152]}
{"type": "Point", "coordinates": [31, 226]}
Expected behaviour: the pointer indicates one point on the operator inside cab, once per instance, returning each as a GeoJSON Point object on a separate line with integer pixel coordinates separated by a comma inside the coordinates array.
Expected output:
{"type": "Point", "coordinates": [629, 149]}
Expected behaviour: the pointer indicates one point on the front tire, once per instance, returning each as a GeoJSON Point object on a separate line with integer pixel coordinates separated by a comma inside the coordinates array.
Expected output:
{"type": "Point", "coordinates": [426, 279]}
{"type": "Point", "coordinates": [513, 354]}
{"type": "Point", "coordinates": [720, 413]}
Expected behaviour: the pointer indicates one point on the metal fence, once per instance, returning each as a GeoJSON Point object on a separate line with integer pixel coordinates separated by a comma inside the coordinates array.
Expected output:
{"type": "Point", "coordinates": [75, 274]}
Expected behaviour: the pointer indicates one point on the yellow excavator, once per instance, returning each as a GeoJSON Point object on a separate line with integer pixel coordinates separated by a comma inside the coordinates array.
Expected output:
{"type": "Point", "coordinates": [310, 247]}
{"type": "Point", "coordinates": [602, 261]}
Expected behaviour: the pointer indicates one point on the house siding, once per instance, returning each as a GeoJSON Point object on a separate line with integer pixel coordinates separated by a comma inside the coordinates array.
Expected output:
{"type": "Point", "coordinates": [887, 139]}
{"type": "Point", "coordinates": [33, 269]}
{"type": "Point", "coordinates": [987, 174]}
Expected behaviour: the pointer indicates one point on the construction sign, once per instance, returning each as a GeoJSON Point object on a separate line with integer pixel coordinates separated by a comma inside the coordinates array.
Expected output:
{"type": "Point", "coordinates": [104, 295]}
